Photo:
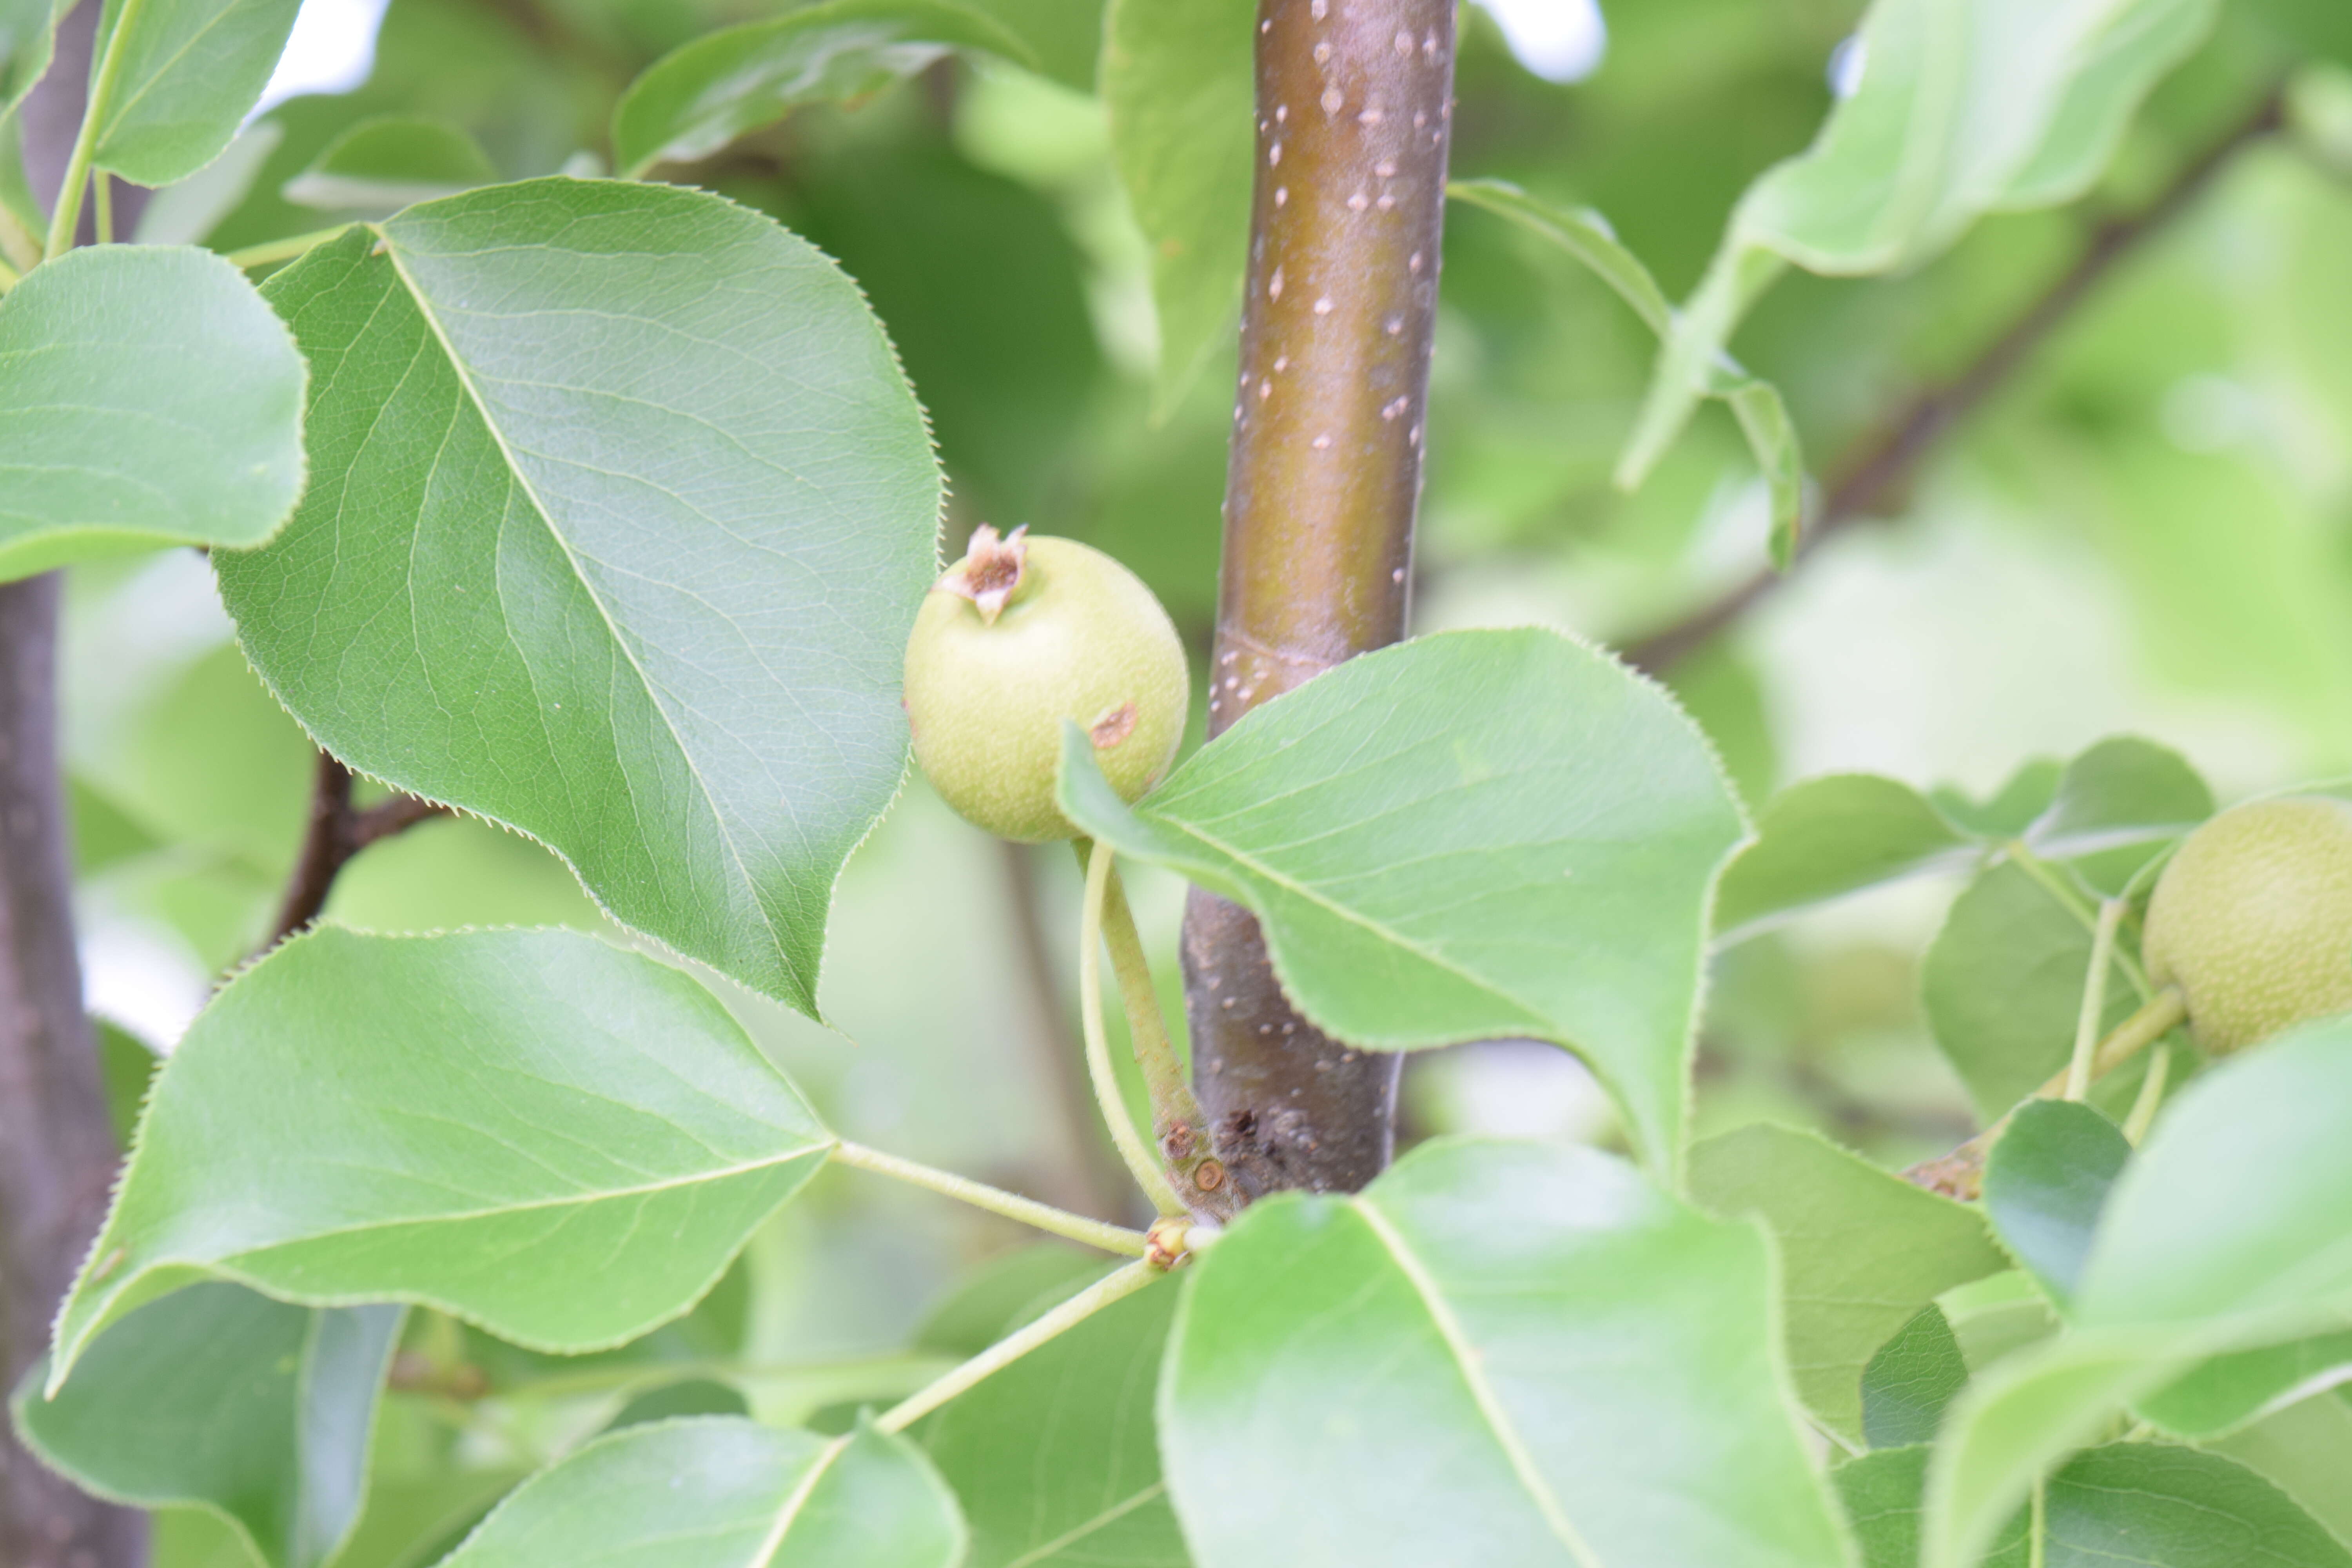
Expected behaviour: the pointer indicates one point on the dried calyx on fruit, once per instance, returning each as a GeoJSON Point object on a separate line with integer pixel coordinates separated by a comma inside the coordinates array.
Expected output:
{"type": "Point", "coordinates": [1018, 636]}
{"type": "Point", "coordinates": [2253, 919]}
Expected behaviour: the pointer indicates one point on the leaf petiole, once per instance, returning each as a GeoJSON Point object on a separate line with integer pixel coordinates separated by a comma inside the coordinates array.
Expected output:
{"type": "Point", "coordinates": [1103, 1292]}
{"type": "Point", "coordinates": [2095, 999]}
{"type": "Point", "coordinates": [995, 1200]}
{"type": "Point", "coordinates": [66, 220]}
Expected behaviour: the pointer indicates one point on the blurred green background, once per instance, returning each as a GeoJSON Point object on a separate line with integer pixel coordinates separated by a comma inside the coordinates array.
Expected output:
{"type": "Point", "coordinates": [2149, 529]}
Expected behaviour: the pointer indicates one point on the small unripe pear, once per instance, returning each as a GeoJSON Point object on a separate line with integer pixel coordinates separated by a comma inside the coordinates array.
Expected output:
{"type": "Point", "coordinates": [2253, 919]}
{"type": "Point", "coordinates": [1019, 635]}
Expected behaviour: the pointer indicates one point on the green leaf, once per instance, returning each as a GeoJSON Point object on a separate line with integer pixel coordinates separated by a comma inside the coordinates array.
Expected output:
{"type": "Point", "coordinates": [1002, 1294]}
{"type": "Point", "coordinates": [1861, 1251]}
{"type": "Point", "coordinates": [172, 79]}
{"type": "Point", "coordinates": [2224, 1234]}
{"type": "Point", "coordinates": [1469, 836]}
{"type": "Point", "coordinates": [2046, 1182]}
{"type": "Point", "coordinates": [1064, 36]}
{"type": "Point", "coordinates": [694, 100]}
{"type": "Point", "coordinates": [1910, 1380]}
{"type": "Point", "coordinates": [2003, 987]}
{"type": "Point", "coordinates": [634, 471]}
{"type": "Point", "coordinates": [716, 1492]}
{"type": "Point", "coordinates": [1997, 1314]}
{"type": "Point", "coordinates": [28, 31]}
{"type": "Point", "coordinates": [1826, 837]}
{"type": "Point", "coordinates": [1496, 1353]}
{"type": "Point", "coordinates": [1178, 81]}
{"type": "Point", "coordinates": [256, 1411]}
{"type": "Point", "coordinates": [1963, 107]}
{"type": "Point", "coordinates": [1054, 1458]}
{"type": "Point", "coordinates": [2143, 1503]}
{"type": "Point", "coordinates": [1881, 1493]}
{"type": "Point", "coordinates": [2116, 807]}
{"type": "Point", "coordinates": [148, 398]}
{"type": "Point", "coordinates": [2305, 1449]}
{"type": "Point", "coordinates": [1763, 416]}
{"type": "Point", "coordinates": [2230, 1392]}
{"type": "Point", "coordinates": [389, 161]}
{"type": "Point", "coordinates": [2009, 810]}
{"type": "Point", "coordinates": [480, 1122]}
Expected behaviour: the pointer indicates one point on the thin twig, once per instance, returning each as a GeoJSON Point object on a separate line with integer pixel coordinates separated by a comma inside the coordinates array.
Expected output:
{"type": "Point", "coordinates": [337, 832]}
{"type": "Point", "coordinates": [1884, 464]}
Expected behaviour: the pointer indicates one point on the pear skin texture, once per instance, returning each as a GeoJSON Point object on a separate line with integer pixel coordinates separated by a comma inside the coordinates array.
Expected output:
{"type": "Point", "coordinates": [1080, 638]}
{"type": "Point", "coordinates": [2253, 919]}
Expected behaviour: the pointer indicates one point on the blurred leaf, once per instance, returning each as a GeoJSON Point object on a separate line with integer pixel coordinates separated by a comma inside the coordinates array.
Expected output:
{"type": "Point", "coordinates": [2003, 987]}
{"type": "Point", "coordinates": [2230, 1392]}
{"type": "Point", "coordinates": [696, 99]}
{"type": "Point", "coordinates": [2225, 1233]}
{"type": "Point", "coordinates": [1498, 1354]}
{"type": "Point", "coordinates": [2144, 1503]}
{"type": "Point", "coordinates": [382, 165]}
{"type": "Point", "coordinates": [1763, 416]}
{"type": "Point", "coordinates": [687, 1397]}
{"type": "Point", "coordinates": [128, 1066]}
{"type": "Point", "coordinates": [711, 1492]}
{"type": "Point", "coordinates": [1724, 694]}
{"type": "Point", "coordinates": [1963, 107]}
{"type": "Point", "coordinates": [1997, 1314]}
{"type": "Point", "coordinates": [171, 344]}
{"type": "Point", "coordinates": [1469, 836]}
{"type": "Point", "coordinates": [27, 34]}
{"type": "Point", "coordinates": [1055, 1457]}
{"type": "Point", "coordinates": [2009, 810]}
{"type": "Point", "coordinates": [2307, 1450]}
{"type": "Point", "coordinates": [1830, 837]}
{"type": "Point", "coordinates": [217, 1397]}
{"type": "Point", "coordinates": [671, 565]}
{"type": "Point", "coordinates": [1064, 36]}
{"type": "Point", "coordinates": [2116, 807]}
{"type": "Point", "coordinates": [457, 871]}
{"type": "Point", "coordinates": [187, 211]}
{"type": "Point", "coordinates": [1002, 1294]}
{"type": "Point", "coordinates": [982, 294]}
{"type": "Point", "coordinates": [477, 1121]}
{"type": "Point", "coordinates": [1910, 1380]}
{"type": "Point", "coordinates": [1177, 79]}
{"type": "Point", "coordinates": [2047, 1181]}
{"type": "Point", "coordinates": [1861, 1251]}
{"type": "Point", "coordinates": [171, 83]}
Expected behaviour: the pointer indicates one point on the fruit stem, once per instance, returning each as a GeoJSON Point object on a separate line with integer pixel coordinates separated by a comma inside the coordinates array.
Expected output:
{"type": "Point", "coordinates": [2059, 888]}
{"type": "Point", "coordinates": [2151, 1095]}
{"type": "Point", "coordinates": [1179, 1127]}
{"type": "Point", "coordinates": [1960, 1173]}
{"type": "Point", "coordinates": [995, 1200]}
{"type": "Point", "coordinates": [2095, 998]}
{"type": "Point", "coordinates": [1103, 1292]}
{"type": "Point", "coordinates": [1112, 1103]}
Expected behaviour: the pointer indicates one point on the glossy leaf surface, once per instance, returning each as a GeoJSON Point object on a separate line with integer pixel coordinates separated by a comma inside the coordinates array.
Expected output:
{"type": "Point", "coordinates": [1498, 1354]}
{"type": "Point", "coordinates": [148, 397]}
{"type": "Point", "coordinates": [1468, 836]}
{"type": "Point", "coordinates": [216, 1397]}
{"type": "Point", "coordinates": [722, 1493]}
{"type": "Point", "coordinates": [480, 1122]}
{"type": "Point", "coordinates": [619, 515]}
{"type": "Point", "coordinates": [1861, 1251]}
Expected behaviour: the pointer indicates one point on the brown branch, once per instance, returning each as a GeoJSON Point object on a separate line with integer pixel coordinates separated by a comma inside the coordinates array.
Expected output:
{"type": "Point", "coordinates": [1354, 112]}
{"type": "Point", "coordinates": [1884, 463]}
{"type": "Point", "coordinates": [337, 832]}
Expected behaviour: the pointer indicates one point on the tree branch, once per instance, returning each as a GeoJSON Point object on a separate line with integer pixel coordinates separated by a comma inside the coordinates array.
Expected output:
{"type": "Point", "coordinates": [337, 832]}
{"type": "Point", "coordinates": [1354, 113]}
{"type": "Point", "coordinates": [1882, 464]}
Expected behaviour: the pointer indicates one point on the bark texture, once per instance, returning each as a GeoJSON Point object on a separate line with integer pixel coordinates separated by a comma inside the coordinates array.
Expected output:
{"type": "Point", "coordinates": [57, 1145]}
{"type": "Point", "coordinates": [1354, 114]}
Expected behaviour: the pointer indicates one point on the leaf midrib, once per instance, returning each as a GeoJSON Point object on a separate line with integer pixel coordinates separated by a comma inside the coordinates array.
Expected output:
{"type": "Point", "coordinates": [546, 520]}
{"type": "Point", "coordinates": [1466, 1359]}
